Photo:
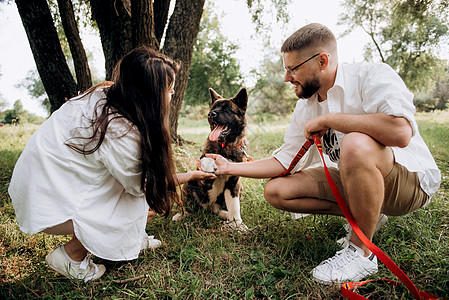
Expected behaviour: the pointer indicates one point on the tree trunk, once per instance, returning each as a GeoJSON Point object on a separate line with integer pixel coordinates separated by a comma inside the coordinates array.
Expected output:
{"type": "Point", "coordinates": [143, 24]}
{"type": "Point", "coordinates": [46, 48]}
{"type": "Point", "coordinates": [83, 76]}
{"type": "Point", "coordinates": [179, 40]}
{"type": "Point", "coordinates": [161, 9]}
{"type": "Point", "coordinates": [114, 23]}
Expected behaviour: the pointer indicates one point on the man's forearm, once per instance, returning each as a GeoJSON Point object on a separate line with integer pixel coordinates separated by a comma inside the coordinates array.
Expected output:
{"type": "Point", "coordinates": [387, 130]}
{"type": "Point", "coordinates": [264, 168]}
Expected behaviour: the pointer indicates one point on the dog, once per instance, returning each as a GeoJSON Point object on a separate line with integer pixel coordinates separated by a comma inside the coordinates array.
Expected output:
{"type": "Point", "coordinates": [228, 138]}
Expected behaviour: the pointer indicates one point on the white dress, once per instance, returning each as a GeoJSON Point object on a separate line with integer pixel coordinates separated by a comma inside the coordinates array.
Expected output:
{"type": "Point", "coordinates": [100, 193]}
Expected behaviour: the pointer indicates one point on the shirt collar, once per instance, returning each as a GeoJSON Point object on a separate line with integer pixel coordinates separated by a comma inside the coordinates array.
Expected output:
{"type": "Point", "coordinates": [339, 78]}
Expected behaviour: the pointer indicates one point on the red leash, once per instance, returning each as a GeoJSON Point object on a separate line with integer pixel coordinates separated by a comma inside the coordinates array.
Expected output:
{"type": "Point", "coordinates": [346, 288]}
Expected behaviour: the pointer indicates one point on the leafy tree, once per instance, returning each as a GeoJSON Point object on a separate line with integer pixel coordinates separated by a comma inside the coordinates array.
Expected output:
{"type": "Point", "coordinates": [212, 63]}
{"type": "Point", "coordinates": [406, 34]}
{"type": "Point", "coordinates": [17, 114]}
{"type": "Point", "coordinates": [18, 107]}
{"type": "Point", "coordinates": [123, 25]}
{"type": "Point", "coordinates": [436, 99]}
{"type": "Point", "coordinates": [258, 9]}
{"type": "Point", "coordinates": [441, 93]}
{"type": "Point", "coordinates": [46, 48]}
{"type": "Point", "coordinates": [271, 95]}
{"type": "Point", "coordinates": [33, 84]}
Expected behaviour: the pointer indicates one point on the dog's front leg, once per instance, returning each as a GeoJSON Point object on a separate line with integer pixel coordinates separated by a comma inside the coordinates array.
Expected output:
{"type": "Point", "coordinates": [233, 206]}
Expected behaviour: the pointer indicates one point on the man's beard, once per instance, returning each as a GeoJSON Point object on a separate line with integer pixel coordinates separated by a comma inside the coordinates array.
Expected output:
{"type": "Point", "coordinates": [308, 89]}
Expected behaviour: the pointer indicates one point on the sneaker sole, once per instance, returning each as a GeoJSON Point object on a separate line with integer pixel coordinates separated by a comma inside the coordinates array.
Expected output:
{"type": "Point", "coordinates": [338, 282]}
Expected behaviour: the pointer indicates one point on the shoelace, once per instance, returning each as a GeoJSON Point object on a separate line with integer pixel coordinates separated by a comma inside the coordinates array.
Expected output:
{"type": "Point", "coordinates": [335, 257]}
{"type": "Point", "coordinates": [344, 259]}
{"type": "Point", "coordinates": [87, 262]}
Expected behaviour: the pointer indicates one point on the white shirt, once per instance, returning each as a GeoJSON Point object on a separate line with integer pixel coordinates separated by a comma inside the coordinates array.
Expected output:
{"type": "Point", "coordinates": [100, 193]}
{"type": "Point", "coordinates": [361, 88]}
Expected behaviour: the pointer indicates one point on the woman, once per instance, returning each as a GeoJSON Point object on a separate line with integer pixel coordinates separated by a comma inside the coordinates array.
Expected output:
{"type": "Point", "coordinates": [89, 168]}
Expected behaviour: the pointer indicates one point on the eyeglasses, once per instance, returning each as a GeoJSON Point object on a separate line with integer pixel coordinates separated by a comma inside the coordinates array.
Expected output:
{"type": "Point", "coordinates": [292, 70]}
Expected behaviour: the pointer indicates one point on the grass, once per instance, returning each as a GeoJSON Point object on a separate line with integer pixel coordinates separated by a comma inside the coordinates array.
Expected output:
{"type": "Point", "coordinates": [200, 261]}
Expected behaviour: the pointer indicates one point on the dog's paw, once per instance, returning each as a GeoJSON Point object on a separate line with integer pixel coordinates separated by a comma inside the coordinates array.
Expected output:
{"type": "Point", "coordinates": [234, 225]}
{"type": "Point", "coordinates": [223, 214]}
{"type": "Point", "coordinates": [179, 217]}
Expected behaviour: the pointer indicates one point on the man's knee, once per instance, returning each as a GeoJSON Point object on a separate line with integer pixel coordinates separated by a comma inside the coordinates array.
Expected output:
{"type": "Point", "coordinates": [355, 144]}
{"type": "Point", "coordinates": [271, 193]}
{"type": "Point", "coordinates": [357, 148]}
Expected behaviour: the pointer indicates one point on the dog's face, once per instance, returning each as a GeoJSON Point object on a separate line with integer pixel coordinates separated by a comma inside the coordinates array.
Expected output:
{"type": "Point", "coordinates": [227, 116]}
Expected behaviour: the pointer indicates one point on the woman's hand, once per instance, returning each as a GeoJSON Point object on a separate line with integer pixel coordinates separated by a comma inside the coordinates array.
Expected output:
{"type": "Point", "coordinates": [194, 175]}
{"type": "Point", "coordinates": [200, 175]}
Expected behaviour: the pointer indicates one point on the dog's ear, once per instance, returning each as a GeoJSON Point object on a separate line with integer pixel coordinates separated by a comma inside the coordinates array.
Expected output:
{"type": "Point", "coordinates": [241, 99]}
{"type": "Point", "coordinates": [214, 95]}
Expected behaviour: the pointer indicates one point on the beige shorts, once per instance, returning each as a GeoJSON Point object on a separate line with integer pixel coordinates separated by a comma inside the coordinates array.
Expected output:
{"type": "Point", "coordinates": [403, 193]}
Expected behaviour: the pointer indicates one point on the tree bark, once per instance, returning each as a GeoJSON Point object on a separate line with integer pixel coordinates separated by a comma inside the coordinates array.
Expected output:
{"type": "Point", "coordinates": [46, 48]}
{"type": "Point", "coordinates": [114, 23]}
{"type": "Point", "coordinates": [83, 75]}
{"type": "Point", "coordinates": [161, 9]}
{"type": "Point", "coordinates": [119, 34]}
{"type": "Point", "coordinates": [143, 24]}
{"type": "Point", "coordinates": [179, 40]}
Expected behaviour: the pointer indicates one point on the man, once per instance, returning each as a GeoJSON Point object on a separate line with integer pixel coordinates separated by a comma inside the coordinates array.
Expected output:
{"type": "Point", "coordinates": [365, 115]}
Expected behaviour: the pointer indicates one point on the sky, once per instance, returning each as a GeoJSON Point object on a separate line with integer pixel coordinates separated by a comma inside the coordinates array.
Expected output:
{"type": "Point", "coordinates": [16, 59]}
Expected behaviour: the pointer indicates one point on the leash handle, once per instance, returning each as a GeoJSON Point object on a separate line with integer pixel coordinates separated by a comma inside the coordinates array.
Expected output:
{"type": "Point", "coordinates": [346, 288]}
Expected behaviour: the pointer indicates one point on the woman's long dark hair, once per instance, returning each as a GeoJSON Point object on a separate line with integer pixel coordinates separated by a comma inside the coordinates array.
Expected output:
{"type": "Point", "coordinates": [140, 93]}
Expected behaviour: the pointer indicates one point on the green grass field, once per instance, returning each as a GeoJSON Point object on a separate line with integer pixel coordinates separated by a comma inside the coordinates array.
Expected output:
{"type": "Point", "coordinates": [200, 261]}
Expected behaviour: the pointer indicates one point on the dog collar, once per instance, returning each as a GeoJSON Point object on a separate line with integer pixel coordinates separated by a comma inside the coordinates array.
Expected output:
{"type": "Point", "coordinates": [242, 148]}
{"type": "Point", "coordinates": [223, 145]}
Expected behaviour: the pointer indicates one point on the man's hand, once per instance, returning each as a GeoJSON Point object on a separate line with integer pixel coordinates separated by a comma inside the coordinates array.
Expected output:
{"type": "Point", "coordinates": [221, 162]}
{"type": "Point", "coordinates": [315, 125]}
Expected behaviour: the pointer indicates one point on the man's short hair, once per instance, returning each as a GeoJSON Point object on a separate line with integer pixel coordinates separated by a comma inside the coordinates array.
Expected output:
{"type": "Point", "coordinates": [313, 36]}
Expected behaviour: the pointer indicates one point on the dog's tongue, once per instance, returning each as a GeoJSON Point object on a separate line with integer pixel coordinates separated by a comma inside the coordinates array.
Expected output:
{"type": "Point", "coordinates": [214, 134]}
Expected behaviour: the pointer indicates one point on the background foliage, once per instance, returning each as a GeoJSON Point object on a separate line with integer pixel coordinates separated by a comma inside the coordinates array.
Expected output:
{"type": "Point", "coordinates": [213, 64]}
{"type": "Point", "coordinates": [407, 35]}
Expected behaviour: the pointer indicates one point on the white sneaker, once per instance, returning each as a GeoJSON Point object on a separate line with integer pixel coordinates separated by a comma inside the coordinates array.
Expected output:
{"type": "Point", "coordinates": [85, 270]}
{"type": "Point", "coordinates": [348, 264]}
{"type": "Point", "coordinates": [149, 242]}
{"type": "Point", "coordinates": [343, 242]}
